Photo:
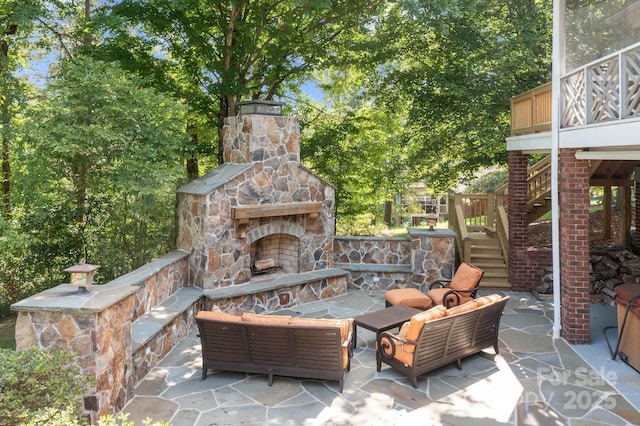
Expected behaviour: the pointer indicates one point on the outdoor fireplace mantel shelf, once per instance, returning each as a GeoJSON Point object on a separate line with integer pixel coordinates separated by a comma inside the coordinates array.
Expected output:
{"type": "Point", "coordinates": [242, 214]}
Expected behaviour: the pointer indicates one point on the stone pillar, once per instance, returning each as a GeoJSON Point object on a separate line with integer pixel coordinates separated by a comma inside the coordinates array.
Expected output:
{"type": "Point", "coordinates": [574, 246]}
{"type": "Point", "coordinates": [433, 256]}
{"type": "Point", "coordinates": [96, 326]}
{"type": "Point", "coordinates": [254, 137]}
{"type": "Point", "coordinates": [520, 277]}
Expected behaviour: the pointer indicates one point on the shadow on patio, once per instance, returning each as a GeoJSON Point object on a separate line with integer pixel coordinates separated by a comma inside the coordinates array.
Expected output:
{"type": "Point", "coordinates": [533, 381]}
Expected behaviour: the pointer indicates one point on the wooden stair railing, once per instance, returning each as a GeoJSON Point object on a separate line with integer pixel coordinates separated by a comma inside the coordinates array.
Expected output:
{"type": "Point", "coordinates": [480, 221]}
{"type": "Point", "coordinates": [538, 189]}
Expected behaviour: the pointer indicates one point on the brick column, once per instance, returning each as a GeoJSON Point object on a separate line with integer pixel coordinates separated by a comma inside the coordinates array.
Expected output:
{"type": "Point", "coordinates": [518, 228]}
{"type": "Point", "coordinates": [574, 246]}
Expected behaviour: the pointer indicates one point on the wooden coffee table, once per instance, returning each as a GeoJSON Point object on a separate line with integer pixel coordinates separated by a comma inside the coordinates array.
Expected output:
{"type": "Point", "coordinates": [383, 320]}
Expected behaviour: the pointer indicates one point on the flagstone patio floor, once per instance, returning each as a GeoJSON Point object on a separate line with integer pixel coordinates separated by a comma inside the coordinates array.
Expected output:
{"type": "Point", "coordinates": [534, 380]}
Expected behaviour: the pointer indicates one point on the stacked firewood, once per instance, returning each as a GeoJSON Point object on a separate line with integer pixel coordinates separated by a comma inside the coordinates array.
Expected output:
{"type": "Point", "coordinates": [607, 269]}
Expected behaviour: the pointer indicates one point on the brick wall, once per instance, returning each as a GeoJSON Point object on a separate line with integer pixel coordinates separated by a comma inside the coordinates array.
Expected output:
{"type": "Point", "coordinates": [520, 278]}
{"type": "Point", "coordinates": [574, 246]}
{"type": "Point", "coordinates": [533, 270]}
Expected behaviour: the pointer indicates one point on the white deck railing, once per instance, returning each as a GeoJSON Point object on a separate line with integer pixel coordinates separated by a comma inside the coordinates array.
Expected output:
{"type": "Point", "coordinates": [604, 90]}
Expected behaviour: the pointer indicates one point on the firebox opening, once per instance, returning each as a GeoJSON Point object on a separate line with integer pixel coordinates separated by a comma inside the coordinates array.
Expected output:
{"type": "Point", "coordinates": [275, 253]}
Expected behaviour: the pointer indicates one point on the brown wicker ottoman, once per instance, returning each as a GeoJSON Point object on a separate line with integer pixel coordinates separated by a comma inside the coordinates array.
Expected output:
{"type": "Point", "coordinates": [409, 297]}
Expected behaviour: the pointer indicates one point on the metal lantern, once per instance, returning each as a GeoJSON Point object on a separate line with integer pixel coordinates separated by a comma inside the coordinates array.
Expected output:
{"type": "Point", "coordinates": [82, 275]}
{"type": "Point", "coordinates": [432, 220]}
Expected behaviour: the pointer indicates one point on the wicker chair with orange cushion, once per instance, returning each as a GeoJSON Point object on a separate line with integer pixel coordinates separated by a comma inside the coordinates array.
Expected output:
{"type": "Point", "coordinates": [461, 289]}
{"type": "Point", "coordinates": [440, 336]}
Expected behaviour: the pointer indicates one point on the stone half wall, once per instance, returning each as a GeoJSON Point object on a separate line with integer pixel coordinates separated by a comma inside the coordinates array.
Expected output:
{"type": "Point", "coordinates": [378, 263]}
{"type": "Point", "coordinates": [102, 327]}
{"type": "Point", "coordinates": [101, 340]}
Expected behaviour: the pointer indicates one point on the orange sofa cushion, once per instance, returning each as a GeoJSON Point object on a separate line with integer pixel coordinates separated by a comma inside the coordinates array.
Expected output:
{"type": "Point", "coordinates": [266, 319]}
{"type": "Point", "coordinates": [417, 322]}
{"type": "Point", "coordinates": [218, 315]}
{"type": "Point", "coordinates": [465, 278]}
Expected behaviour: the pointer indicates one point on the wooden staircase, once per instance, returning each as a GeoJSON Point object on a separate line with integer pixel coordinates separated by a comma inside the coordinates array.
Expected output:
{"type": "Point", "coordinates": [487, 255]}
{"type": "Point", "coordinates": [480, 221]}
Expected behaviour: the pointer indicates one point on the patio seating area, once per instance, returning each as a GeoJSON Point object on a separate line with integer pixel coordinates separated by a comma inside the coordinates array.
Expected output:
{"type": "Point", "coordinates": [533, 381]}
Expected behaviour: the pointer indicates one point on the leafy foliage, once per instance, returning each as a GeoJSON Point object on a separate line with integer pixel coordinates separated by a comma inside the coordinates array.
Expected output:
{"type": "Point", "coordinates": [46, 387]}
{"type": "Point", "coordinates": [458, 69]}
{"type": "Point", "coordinates": [212, 55]}
{"type": "Point", "coordinates": [40, 387]}
{"type": "Point", "coordinates": [104, 160]}
{"type": "Point", "coordinates": [489, 181]}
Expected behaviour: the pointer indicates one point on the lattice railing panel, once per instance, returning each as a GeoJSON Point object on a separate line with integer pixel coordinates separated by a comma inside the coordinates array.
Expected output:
{"type": "Point", "coordinates": [631, 79]}
{"type": "Point", "coordinates": [604, 91]}
{"type": "Point", "coordinates": [573, 100]}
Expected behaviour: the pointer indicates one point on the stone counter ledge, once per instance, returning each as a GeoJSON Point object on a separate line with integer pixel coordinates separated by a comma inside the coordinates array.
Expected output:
{"type": "Point", "coordinates": [289, 280]}
{"type": "Point", "coordinates": [64, 298]}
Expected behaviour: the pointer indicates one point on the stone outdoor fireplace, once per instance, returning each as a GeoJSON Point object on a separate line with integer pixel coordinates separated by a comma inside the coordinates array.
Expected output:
{"type": "Point", "coordinates": [260, 212]}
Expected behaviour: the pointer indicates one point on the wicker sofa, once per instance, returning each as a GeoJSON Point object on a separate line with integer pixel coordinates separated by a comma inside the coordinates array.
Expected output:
{"type": "Point", "coordinates": [440, 336]}
{"type": "Point", "coordinates": [276, 345]}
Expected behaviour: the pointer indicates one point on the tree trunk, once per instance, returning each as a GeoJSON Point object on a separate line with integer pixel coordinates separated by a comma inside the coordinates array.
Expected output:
{"type": "Point", "coordinates": [5, 121]}
{"type": "Point", "coordinates": [6, 164]}
{"type": "Point", "coordinates": [227, 105]}
{"type": "Point", "coordinates": [193, 169]}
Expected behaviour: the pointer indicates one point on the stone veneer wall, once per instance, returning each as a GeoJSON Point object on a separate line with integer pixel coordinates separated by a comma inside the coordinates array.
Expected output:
{"type": "Point", "coordinates": [377, 263]}
{"type": "Point", "coordinates": [156, 281]}
{"type": "Point", "coordinates": [98, 327]}
{"type": "Point", "coordinates": [296, 289]}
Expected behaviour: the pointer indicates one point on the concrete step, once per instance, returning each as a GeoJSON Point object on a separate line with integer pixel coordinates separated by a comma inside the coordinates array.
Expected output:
{"type": "Point", "coordinates": [494, 283]}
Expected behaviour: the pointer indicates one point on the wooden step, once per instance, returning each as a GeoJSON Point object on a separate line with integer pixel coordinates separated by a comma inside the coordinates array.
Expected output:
{"type": "Point", "coordinates": [486, 263]}
{"type": "Point", "coordinates": [490, 253]}
{"type": "Point", "coordinates": [495, 272]}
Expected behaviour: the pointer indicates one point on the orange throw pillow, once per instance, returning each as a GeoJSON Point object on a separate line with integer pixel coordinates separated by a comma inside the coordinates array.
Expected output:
{"type": "Point", "coordinates": [418, 320]}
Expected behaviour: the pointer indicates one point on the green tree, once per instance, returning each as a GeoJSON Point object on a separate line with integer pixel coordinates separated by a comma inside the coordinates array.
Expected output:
{"type": "Point", "coordinates": [103, 158]}
{"type": "Point", "coordinates": [16, 26]}
{"type": "Point", "coordinates": [458, 70]}
{"type": "Point", "coordinates": [214, 54]}
{"type": "Point", "coordinates": [356, 145]}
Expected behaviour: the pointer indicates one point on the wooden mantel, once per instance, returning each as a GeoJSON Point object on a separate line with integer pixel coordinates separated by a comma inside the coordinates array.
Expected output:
{"type": "Point", "coordinates": [311, 208]}
{"type": "Point", "coordinates": [242, 214]}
